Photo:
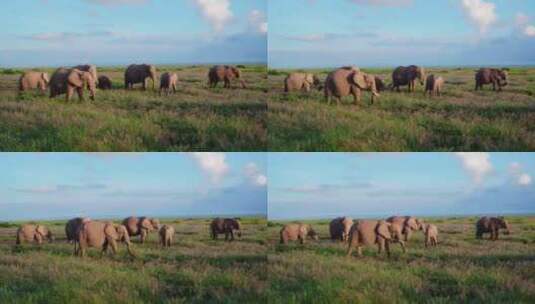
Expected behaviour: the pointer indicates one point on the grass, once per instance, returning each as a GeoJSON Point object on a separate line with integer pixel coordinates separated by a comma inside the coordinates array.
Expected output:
{"type": "Point", "coordinates": [460, 270]}
{"type": "Point", "coordinates": [194, 119]}
{"type": "Point", "coordinates": [195, 269]}
{"type": "Point", "coordinates": [460, 120]}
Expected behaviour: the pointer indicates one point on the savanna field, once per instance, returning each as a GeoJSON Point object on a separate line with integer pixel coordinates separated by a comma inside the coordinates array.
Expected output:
{"type": "Point", "coordinates": [196, 118]}
{"type": "Point", "coordinates": [196, 269]}
{"type": "Point", "coordinates": [460, 120]}
{"type": "Point", "coordinates": [460, 270]}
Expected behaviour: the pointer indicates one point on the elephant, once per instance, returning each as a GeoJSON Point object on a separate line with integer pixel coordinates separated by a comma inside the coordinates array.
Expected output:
{"type": "Point", "coordinates": [91, 68]}
{"type": "Point", "coordinates": [68, 80]}
{"type": "Point", "coordinates": [379, 84]}
{"type": "Point", "coordinates": [34, 80]}
{"type": "Point", "coordinates": [104, 83]}
{"type": "Point", "coordinates": [301, 81]}
{"type": "Point", "coordinates": [349, 80]}
{"type": "Point", "coordinates": [37, 233]}
{"type": "Point", "coordinates": [339, 228]}
{"type": "Point", "coordinates": [407, 224]}
{"type": "Point", "coordinates": [431, 234]}
{"type": "Point", "coordinates": [226, 226]}
{"type": "Point", "coordinates": [168, 81]}
{"type": "Point", "coordinates": [370, 232]}
{"type": "Point", "coordinates": [294, 232]}
{"type": "Point", "coordinates": [138, 73]}
{"type": "Point", "coordinates": [167, 233]}
{"type": "Point", "coordinates": [141, 226]}
{"type": "Point", "coordinates": [407, 75]}
{"type": "Point", "coordinates": [224, 73]}
{"type": "Point", "coordinates": [72, 227]}
{"type": "Point", "coordinates": [433, 85]}
{"type": "Point", "coordinates": [101, 235]}
{"type": "Point", "coordinates": [491, 225]}
{"type": "Point", "coordinates": [496, 77]}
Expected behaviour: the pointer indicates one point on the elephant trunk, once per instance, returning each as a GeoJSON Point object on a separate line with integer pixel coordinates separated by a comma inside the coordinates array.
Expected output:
{"type": "Point", "coordinates": [129, 249]}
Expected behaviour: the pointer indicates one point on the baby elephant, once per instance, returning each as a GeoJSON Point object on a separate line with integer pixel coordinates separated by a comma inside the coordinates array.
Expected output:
{"type": "Point", "coordinates": [167, 232]}
{"type": "Point", "coordinates": [433, 85]}
{"type": "Point", "coordinates": [301, 81]}
{"type": "Point", "coordinates": [225, 226]}
{"type": "Point", "coordinates": [167, 82]}
{"type": "Point", "coordinates": [34, 80]}
{"type": "Point", "coordinates": [30, 233]}
{"type": "Point", "coordinates": [104, 83]}
{"type": "Point", "coordinates": [294, 232]}
{"type": "Point", "coordinates": [431, 235]}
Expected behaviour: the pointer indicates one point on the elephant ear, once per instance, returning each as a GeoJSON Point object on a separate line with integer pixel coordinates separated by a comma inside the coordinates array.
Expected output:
{"type": "Point", "coordinates": [110, 231]}
{"type": "Point", "coordinates": [41, 230]}
{"type": "Point", "coordinates": [145, 223]}
{"type": "Point", "coordinates": [383, 229]}
{"type": "Point", "coordinates": [309, 78]}
{"type": "Point", "coordinates": [44, 76]}
{"type": "Point", "coordinates": [75, 78]}
{"type": "Point", "coordinates": [360, 80]}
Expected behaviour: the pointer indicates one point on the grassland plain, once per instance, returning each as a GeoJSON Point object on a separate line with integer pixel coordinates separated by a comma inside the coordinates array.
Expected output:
{"type": "Point", "coordinates": [460, 270]}
{"type": "Point", "coordinates": [196, 269]}
{"type": "Point", "coordinates": [194, 119]}
{"type": "Point", "coordinates": [460, 120]}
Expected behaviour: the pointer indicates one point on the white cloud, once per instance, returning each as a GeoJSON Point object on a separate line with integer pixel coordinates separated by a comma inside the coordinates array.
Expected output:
{"type": "Point", "coordinates": [529, 31]}
{"type": "Point", "coordinates": [217, 12]}
{"type": "Point", "coordinates": [258, 22]}
{"type": "Point", "coordinates": [522, 23]}
{"type": "Point", "coordinates": [524, 179]}
{"type": "Point", "coordinates": [520, 178]}
{"type": "Point", "coordinates": [213, 164]}
{"type": "Point", "coordinates": [476, 164]}
{"type": "Point", "coordinates": [383, 2]}
{"type": "Point", "coordinates": [481, 13]}
{"type": "Point", "coordinates": [253, 174]}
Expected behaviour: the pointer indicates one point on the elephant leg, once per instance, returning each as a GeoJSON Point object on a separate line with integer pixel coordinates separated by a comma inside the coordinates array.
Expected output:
{"type": "Point", "coordinates": [113, 245]}
{"type": "Point", "coordinates": [70, 92]}
{"type": "Point", "coordinates": [426, 242]}
{"type": "Point", "coordinates": [226, 235]}
{"type": "Point", "coordinates": [104, 248]}
{"type": "Point", "coordinates": [174, 88]}
{"type": "Point", "coordinates": [38, 239]}
{"type": "Point", "coordinates": [359, 250]}
{"type": "Point", "coordinates": [387, 247]}
{"type": "Point", "coordinates": [380, 244]}
{"type": "Point", "coordinates": [306, 87]}
{"type": "Point", "coordinates": [403, 248]}
{"type": "Point", "coordinates": [231, 235]}
{"type": "Point", "coordinates": [143, 235]}
{"type": "Point", "coordinates": [80, 92]}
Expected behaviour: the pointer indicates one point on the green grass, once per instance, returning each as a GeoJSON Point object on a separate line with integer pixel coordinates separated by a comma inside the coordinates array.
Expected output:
{"type": "Point", "coordinates": [195, 270]}
{"type": "Point", "coordinates": [460, 120]}
{"type": "Point", "coordinates": [460, 270]}
{"type": "Point", "coordinates": [194, 119]}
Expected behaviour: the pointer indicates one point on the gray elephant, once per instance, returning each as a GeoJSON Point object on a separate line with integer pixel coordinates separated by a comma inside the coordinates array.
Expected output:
{"type": "Point", "coordinates": [498, 78]}
{"type": "Point", "coordinates": [104, 83]}
{"type": "Point", "coordinates": [70, 80]}
{"type": "Point", "coordinates": [379, 84]}
{"type": "Point", "coordinates": [408, 224]}
{"type": "Point", "coordinates": [301, 81]}
{"type": "Point", "coordinates": [91, 68]}
{"type": "Point", "coordinates": [492, 225]}
{"type": "Point", "coordinates": [407, 75]}
{"type": "Point", "coordinates": [431, 235]}
{"type": "Point", "coordinates": [349, 80]}
{"type": "Point", "coordinates": [298, 231]}
{"type": "Point", "coordinates": [102, 235]}
{"type": "Point", "coordinates": [141, 226]}
{"type": "Point", "coordinates": [226, 74]}
{"type": "Point", "coordinates": [433, 85]}
{"type": "Point", "coordinates": [168, 82]}
{"type": "Point", "coordinates": [340, 227]}
{"type": "Point", "coordinates": [33, 233]}
{"type": "Point", "coordinates": [368, 233]}
{"type": "Point", "coordinates": [73, 226]}
{"type": "Point", "coordinates": [225, 226]}
{"type": "Point", "coordinates": [138, 73]}
{"type": "Point", "coordinates": [167, 233]}
{"type": "Point", "coordinates": [34, 80]}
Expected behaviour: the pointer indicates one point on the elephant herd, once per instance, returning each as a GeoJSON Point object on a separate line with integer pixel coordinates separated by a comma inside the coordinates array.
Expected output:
{"type": "Point", "coordinates": [75, 79]}
{"type": "Point", "coordinates": [395, 229]}
{"type": "Point", "coordinates": [84, 233]}
{"type": "Point", "coordinates": [350, 80]}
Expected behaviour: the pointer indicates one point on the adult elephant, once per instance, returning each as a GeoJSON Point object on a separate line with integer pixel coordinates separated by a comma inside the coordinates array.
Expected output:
{"type": "Point", "coordinates": [498, 78]}
{"type": "Point", "coordinates": [73, 226]}
{"type": "Point", "coordinates": [67, 81]}
{"type": "Point", "coordinates": [301, 81]}
{"type": "Point", "coordinates": [340, 227]}
{"type": "Point", "coordinates": [138, 73]}
{"type": "Point", "coordinates": [349, 80]}
{"type": "Point", "coordinates": [102, 235]}
{"type": "Point", "coordinates": [141, 226]}
{"type": "Point", "coordinates": [33, 233]}
{"type": "Point", "coordinates": [370, 232]}
{"type": "Point", "coordinates": [408, 224]}
{"type": "Point", "coordinates": [225, 226]}
{"type": "Point", "coordinates": [407, 75]}
{"type": "Point", "coordinates": [491, 225]}
{"type": "Point", "coordinates": [91, 68]}
{"type": "Point", "coordinates": [34, 80]}
{"type": "Point", "coordinates": [298, 231]}
{"type": "Point", "coordinates": [226, 74]}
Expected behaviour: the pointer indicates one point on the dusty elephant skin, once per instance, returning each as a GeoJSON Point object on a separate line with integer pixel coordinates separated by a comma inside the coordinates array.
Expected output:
{"type": "Point", "coordinates": [33, 233]}
{"type": "Point", "coordinates": [90, 68]}
{"type": "Point", "coordinates": [406, 76]}
{"type": "Point", "coordinates": [407, 223]}
{"type": "Point", "coordinates": [225, 226]}
{"type": "Point", "coordinates": [104, 83]}
{"type": "Point", "coordinates": [297, 232]}
{"type": "Point", "coordinates": [301, 81]}
{"type": "Point", "coordinates": [498, 78]}
{"type": "Point", "coordinates": [67, 81]}
{"type": "Point", "coordinates": [226, 74]}
{"type": "Point", "coordinates": [34, 80]}
{"type": "Point", "coordinates": [168, 82]}
{"type": "Point", "coordinates": [72, 230]}
{"type": "Point", "coordinates": [431, 235]}
{"type": "Point", "coordinates": [491, 225]}
{"type": "Point", "coordinates": [102, 235]}
{"type": "Point", "coordinates": [433, 85]}
{"type": "Point", "coordinates": [340, 227]}
{"type": "Point", "coordinates": [138, 73]}
{"type": "Point", "coordinates": [167, 234]}
{"type": "Point", "coordinates": [349, 80]}
{"type": "Point", "coordinates": [368, 233]}
{"type": "Point", "coordinates": [141, 226]}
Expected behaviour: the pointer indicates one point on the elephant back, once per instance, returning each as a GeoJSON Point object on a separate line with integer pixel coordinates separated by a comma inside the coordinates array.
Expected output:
{"type": "Point", "coordinates": [217, 225]}
{"type": "Point", "coordinates": [132, 225]}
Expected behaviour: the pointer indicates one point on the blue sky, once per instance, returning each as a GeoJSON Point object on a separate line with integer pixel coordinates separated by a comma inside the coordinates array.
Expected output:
{"type": "Point", "coordinates": [111, 185]}
{"type": "Point", "coordinates": [325, 33]}
{"type": "Point", "coordinates": [108, 32]}
{"type": "Point", "coordinates": [325, 185]}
